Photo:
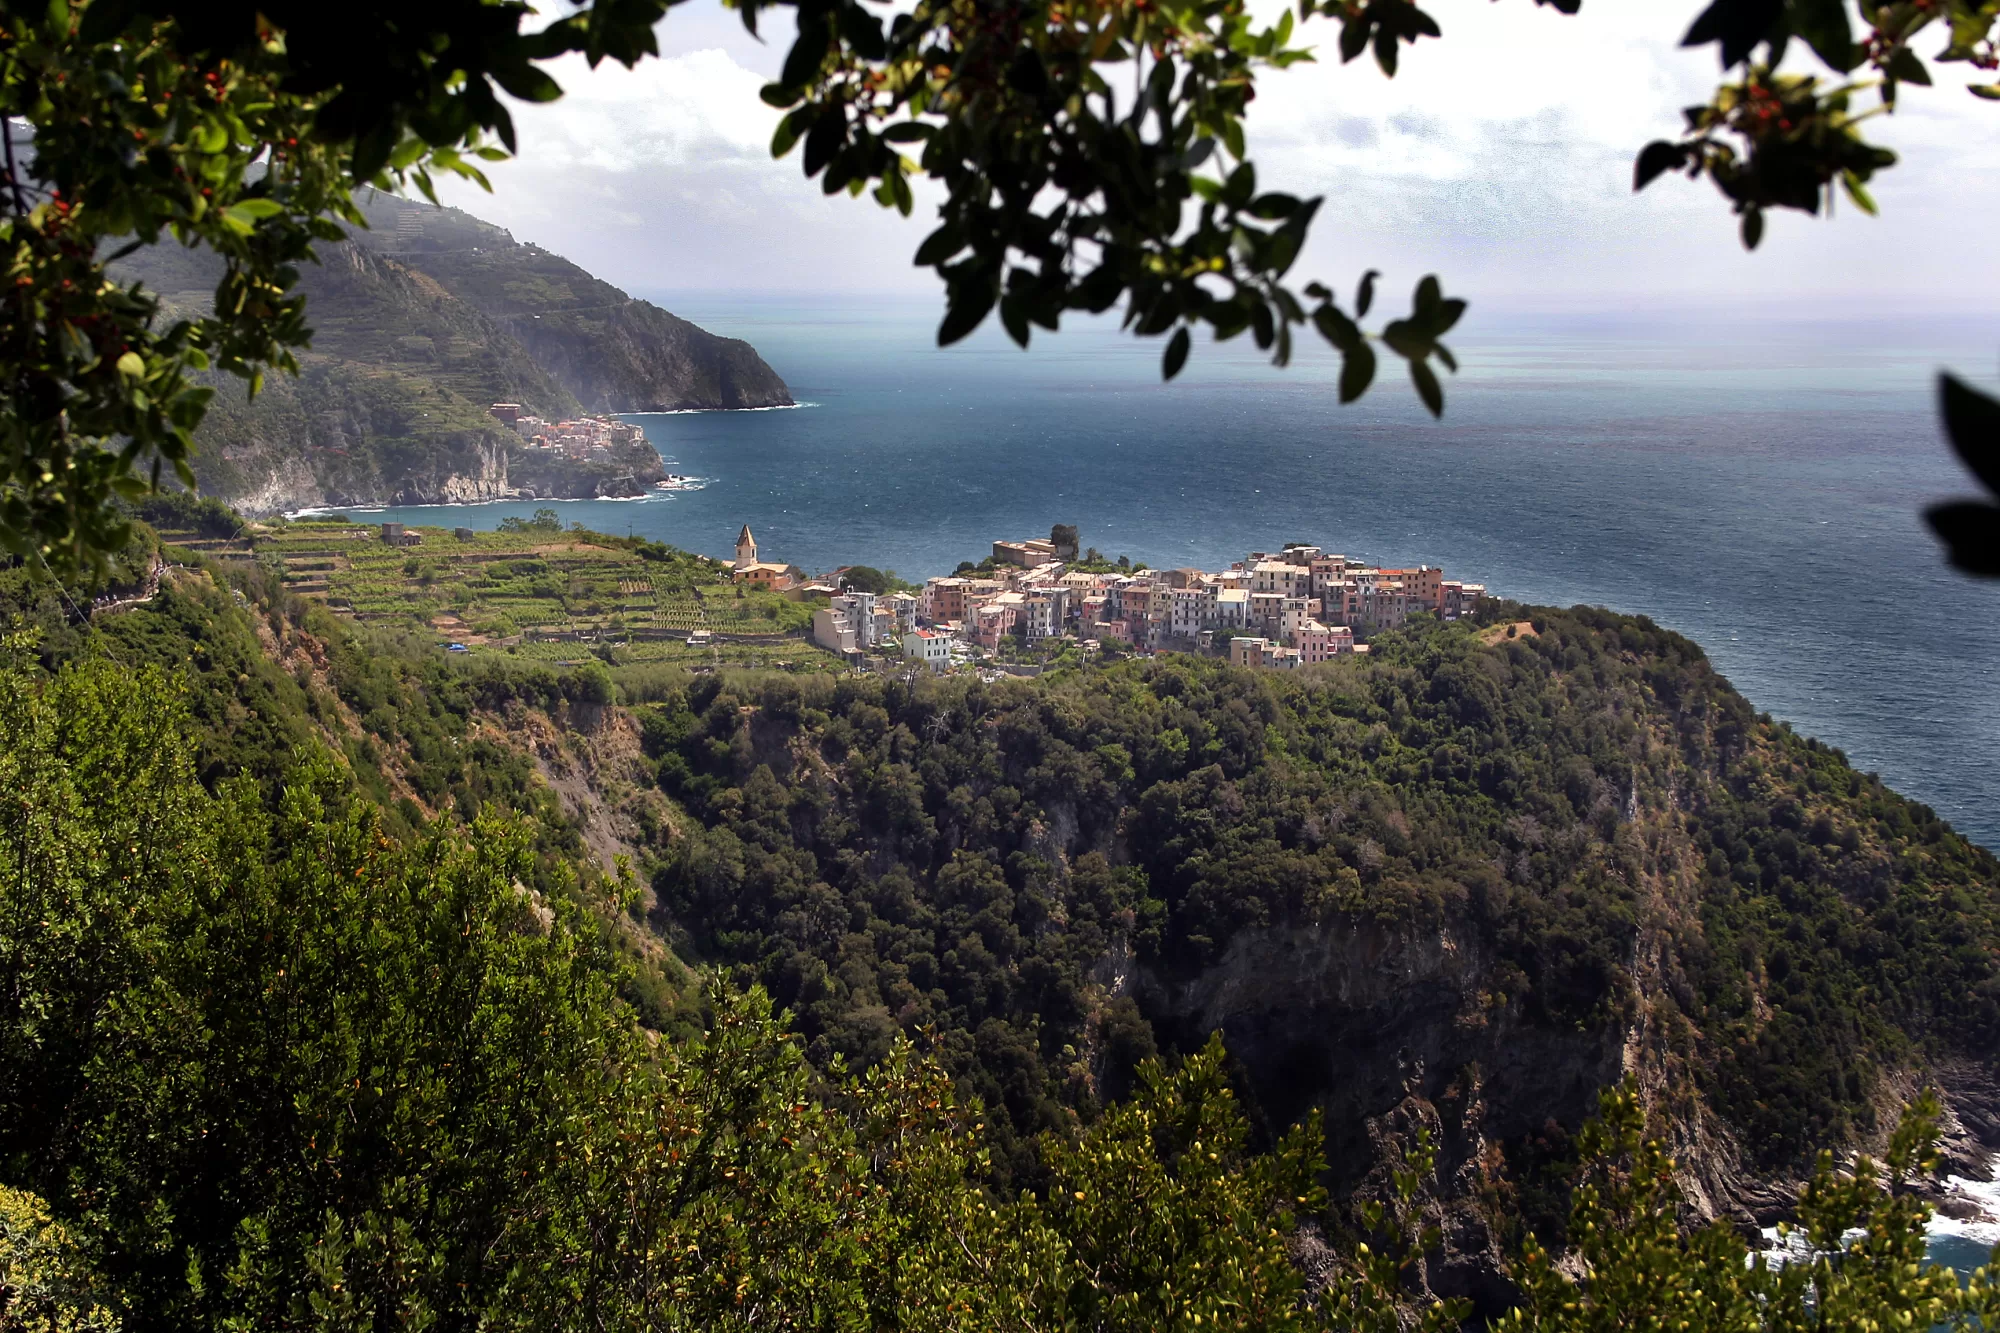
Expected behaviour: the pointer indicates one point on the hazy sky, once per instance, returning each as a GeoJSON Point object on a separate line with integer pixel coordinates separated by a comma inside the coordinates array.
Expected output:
{"type": "Point", "coordinates": [1500, 157]}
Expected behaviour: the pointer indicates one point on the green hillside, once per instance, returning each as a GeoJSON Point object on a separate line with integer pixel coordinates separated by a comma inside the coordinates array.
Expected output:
{"type": "Point", "coordinates": [535, 589]}
{"type": "Point", "coordinates": [345, 977]}
{"type": "Point", "coordinates": [419, 326]}
{"type": "Point", "coordinates": [612, 352]}
{"type": "Point", "coordinates": [1606, 837]}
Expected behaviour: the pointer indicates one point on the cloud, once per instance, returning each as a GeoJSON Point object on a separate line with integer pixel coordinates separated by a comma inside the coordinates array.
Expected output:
{"type": "Point", "coordinates": [661, 176]}
{"type": "Point", "coordinates": [697, 109]}
{"type": "Point", "coordinates": [1500, 156]}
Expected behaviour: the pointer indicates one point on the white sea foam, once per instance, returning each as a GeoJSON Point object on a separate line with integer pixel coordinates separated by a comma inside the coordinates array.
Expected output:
{"type": "Point", "coordinates": [694, 411]}
{"type": "Point", "coordinates": [1953, 1240]}
{"type": "Point", "coordinates": [1982, 1195]}
{"type": "Point", "coordinates": [1780, 1250]}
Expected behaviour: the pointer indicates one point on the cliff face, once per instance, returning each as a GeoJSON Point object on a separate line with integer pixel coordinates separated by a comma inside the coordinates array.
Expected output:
{"type": "Point", "coordinates": [1351, 1018]}
{"type": "Point", "coordinates": [410, 347]}
{"type": "Point", "coordinates": [636, 357]}
{"type": "Point", "coordinates": [611, 352]}
{"type": "Point", "coordinates": [1462, 885]}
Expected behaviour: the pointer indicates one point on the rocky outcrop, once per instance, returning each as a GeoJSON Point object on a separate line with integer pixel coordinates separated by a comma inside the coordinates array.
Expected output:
{"type": "Point", "coordinates": [340, 435]}
{"type": "Point", "coordinates": [480, 474]}
{"type": "Point", "coordinates": [538, 474]}
{"type": "Point", "coordinates": [636, 357]}
{"type": "Point", "coordinates": [1352, 1018]}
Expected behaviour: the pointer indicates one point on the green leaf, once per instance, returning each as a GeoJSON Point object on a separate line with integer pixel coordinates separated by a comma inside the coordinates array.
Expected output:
{"type": "Point", "coordinates": [1242, 183]}
{"type": "Point", "coordinates": [1971, 534]}
{"type": "Point", "coordinates": [527, 82]}
{"type": "Point", "coordinates": [967, 305]}
{"type": "Point", "coordinates": [1739, 25]}
{"type": "Point", "coordinates": [1177, 353]}
{"type": "Point", "coordinates": [1027, 75]}
{"type": "Point", "coordinates": [1014, 319]}
{"type": "Point", "coordinates": [940, 245]}
{"type": "Point", "coordinates": [1858, 192]}
{"type": "Point", "coordinates": [1385, 50]}
{"type": "Point", "coordinates": [784, 137]}
{"type": "Point", "coordinates": [1357, 370]}
{"type": "Point", "coordinates": [1365, 296]}
{"type": "Point", "coordinates": [1424, 301]}
{"type": "Point", "coordinates": [1753, 228]}
{"type": "Point", "coordinates": [1972, 423]}
{"type": "Point", "coordinates": [131, 365]}
{"type": "Point", "coordinates": [1989, 91]}
{"type": "Point", "coordinates": [1336, 328]}
{"type": "Point", "coordinates": [863, 32]}
{"type": "Point", "coordinates": [1657, 157]}
{"type": "Point", "coordinates": [256, 210]}
{"type": "Point", "coordinates": [909, 131]}
{"type": "Point", "coordinates": [1232, 136]}
{"type": "Point", "coordinates": [1099, 291]}
{"type": "Point", "coordinates": [823, 140]}
{"type": "Point", "coordinates": [808, 53]}
{"type": "Point", "coordinates": [1353, 37]}
{"type": "Point", "coordinates": [1428, 387]}
{"type": "Point", "coordinates": [1823, 24]}
{"type": "Point", "coordinates": [1905, 67]}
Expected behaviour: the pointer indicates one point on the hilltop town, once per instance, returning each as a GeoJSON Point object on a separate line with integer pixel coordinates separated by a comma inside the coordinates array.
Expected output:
{"type": "Point", "coordinates": [1292, 607]}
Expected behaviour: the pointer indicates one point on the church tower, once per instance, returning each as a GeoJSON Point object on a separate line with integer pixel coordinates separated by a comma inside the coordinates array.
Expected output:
{"type": "Point", "coordinates": [746, 548]}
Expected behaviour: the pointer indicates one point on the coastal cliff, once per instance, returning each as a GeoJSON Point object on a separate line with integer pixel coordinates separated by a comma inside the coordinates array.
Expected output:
{"type": "Point", "coordinates": [610, 351]}
{"type": "Point", "coordinates": [410, 348]}
{"type": "Point", "coordinates": [1463, 884]}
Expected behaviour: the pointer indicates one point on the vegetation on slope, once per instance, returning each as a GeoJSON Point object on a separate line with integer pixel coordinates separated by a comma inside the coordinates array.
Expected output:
{"type": "Point", "coordinates": [416, 330]}
{"type": "Point", "coordinates": [270, 1066]}
{"type": "Point", "coordinates": [612, 352]}
{"type": "Point", "coordinates": [534, 585]}
{"type": "Point", "coordinates": [885, 856]}
{"type": "Point", "coordinates": [266, 1065]}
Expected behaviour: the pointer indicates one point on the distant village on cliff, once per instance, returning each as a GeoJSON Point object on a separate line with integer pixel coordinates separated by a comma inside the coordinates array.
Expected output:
{"type": "Point", "coordinates": [1292, 607]}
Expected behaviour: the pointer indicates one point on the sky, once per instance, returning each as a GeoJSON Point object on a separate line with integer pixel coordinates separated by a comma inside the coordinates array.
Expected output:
{"type": "Point", "coordinates": [1499, 156]}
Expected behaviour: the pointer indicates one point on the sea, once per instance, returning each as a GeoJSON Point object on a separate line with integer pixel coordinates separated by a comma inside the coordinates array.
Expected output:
{"type": "Point", "coordinates": [1753, 482]}
{"type": "Point", "coordinates": [1752, 479]}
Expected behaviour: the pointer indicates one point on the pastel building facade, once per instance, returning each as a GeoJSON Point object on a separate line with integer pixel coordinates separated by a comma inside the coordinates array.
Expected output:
{"type": "Point", "coordinates": [752, 572]}
{"type": "Point", "coordinates": [1300, 605]}
{"type": "Point", "coordinates": [929, 647]}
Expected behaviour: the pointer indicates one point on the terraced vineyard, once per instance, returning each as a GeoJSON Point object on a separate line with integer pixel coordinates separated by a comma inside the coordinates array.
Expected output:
{"type": "Point", "coordinates": [539, 592]}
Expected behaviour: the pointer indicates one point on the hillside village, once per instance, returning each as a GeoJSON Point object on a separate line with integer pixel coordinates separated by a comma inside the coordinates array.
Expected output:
{"type": "Point", "coordinates": [1288, 608]}
{"type": "Point", "coordinates": [584, 438]}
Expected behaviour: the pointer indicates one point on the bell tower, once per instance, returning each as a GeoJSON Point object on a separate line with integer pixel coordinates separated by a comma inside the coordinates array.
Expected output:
{"type": "Point", "coordinates": [746, 548]}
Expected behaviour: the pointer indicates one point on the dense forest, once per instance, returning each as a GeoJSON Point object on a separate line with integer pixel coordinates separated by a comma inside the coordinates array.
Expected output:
{"type": "Point", "coordinates": [885, 856]}
{"type": "Point", "coordinates": [325, 1002]}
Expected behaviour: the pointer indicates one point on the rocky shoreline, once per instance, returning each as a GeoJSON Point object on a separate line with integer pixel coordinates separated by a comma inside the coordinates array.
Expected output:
{"type": "Point", "coordinates": [486, 474]}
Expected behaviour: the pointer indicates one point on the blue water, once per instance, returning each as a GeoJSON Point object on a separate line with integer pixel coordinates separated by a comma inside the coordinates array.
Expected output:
{"type": "Point", "coordinates": [1752, 483]}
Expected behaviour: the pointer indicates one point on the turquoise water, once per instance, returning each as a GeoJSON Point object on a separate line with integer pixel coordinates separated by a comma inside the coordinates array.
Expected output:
{"type": "Point", "coordinates": [1754, 484]}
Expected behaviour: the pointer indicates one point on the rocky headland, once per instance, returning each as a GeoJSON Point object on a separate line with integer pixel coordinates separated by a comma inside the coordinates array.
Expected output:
{"type": "Point", "coordinates": [420, 324]}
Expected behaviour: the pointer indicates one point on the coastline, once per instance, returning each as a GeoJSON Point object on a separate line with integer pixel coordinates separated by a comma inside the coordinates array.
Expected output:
{"type": "Point", "coordinates": [650, 497]}
{"type": "Point", "coordinates": [699, 411]}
